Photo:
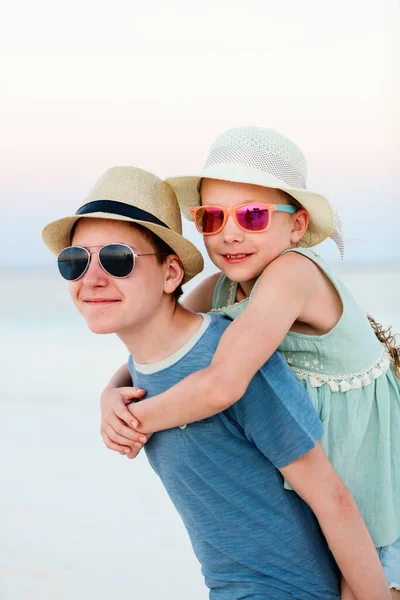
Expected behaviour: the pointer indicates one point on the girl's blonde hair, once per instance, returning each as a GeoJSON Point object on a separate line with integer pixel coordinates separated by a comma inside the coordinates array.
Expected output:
{"type": "Point", "coordinates": [388, 339]}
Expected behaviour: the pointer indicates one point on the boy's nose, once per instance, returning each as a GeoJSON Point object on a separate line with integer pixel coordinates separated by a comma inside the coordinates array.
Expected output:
{"type": "Point", "coordinates": [95, 274]}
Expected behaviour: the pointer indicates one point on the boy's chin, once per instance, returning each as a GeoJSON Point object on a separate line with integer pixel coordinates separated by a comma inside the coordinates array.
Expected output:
{"type": "Point", "coordinates": [101, 328]}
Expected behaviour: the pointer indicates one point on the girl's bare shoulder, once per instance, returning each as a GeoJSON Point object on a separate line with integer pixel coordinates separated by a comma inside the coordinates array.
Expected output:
{"type": "Point", "coordinates": [318, 300]}
{"type": "Point", "coordinates": [292, 267]}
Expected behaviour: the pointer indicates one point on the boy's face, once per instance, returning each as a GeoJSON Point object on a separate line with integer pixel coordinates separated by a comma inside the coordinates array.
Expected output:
{"type": "Point", "coordinates": [240, 255]}
{"type": "Point", "coordinates": [109, 304]}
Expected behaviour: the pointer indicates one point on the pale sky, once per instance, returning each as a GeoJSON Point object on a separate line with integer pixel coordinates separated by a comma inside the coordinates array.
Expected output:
{"type": "Point", "coordinates": [88, 85]}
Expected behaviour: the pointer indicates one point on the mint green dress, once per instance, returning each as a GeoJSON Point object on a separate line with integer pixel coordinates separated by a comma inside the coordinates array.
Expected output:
{"type": "Point", "coordinates": [356, 394]}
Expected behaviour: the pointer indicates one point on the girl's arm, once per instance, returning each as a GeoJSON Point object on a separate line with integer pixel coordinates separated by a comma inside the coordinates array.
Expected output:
{"type": "Point", "coordinates": [200, 299]}
{"type": "Point", "coordinates": [280, 299]}
{"type": "Point", "coordinates": [116, 420]}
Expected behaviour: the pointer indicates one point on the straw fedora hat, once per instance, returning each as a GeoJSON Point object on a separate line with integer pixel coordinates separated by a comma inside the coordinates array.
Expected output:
{"type": "Point", "coordinates": [263, 157]}
{"type": "Point", "coordinates": [130, 194]}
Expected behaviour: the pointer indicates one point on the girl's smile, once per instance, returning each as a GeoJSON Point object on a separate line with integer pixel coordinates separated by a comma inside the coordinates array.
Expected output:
{"type": "Point", "coordinates": [234, 259]}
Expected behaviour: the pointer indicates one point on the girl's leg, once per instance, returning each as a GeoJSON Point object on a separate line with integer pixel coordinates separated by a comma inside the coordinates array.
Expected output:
{"type": "Point", "coordinates": [345, 591]}
{"type": "Point", "coordinates": [395, 594]}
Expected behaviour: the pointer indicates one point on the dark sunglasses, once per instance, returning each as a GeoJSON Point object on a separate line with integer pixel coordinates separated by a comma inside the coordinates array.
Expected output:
{"type": "Point", "coordinates": [250, 217]}
{"type": "Point", "coordinates": [118, 260]}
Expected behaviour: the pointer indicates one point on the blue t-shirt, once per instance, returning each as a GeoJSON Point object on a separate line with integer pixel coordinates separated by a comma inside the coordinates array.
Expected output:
{"type": "Point", "coordinates": [253, 538]}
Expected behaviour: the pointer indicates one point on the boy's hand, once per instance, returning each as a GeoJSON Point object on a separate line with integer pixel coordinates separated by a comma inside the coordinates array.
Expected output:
{"type": "Point", "coordinates": [118, 426]}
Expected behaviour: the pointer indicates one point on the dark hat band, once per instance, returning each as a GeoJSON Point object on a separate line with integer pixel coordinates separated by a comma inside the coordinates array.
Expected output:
{"type": "Point", "coordinates": [119, 208]}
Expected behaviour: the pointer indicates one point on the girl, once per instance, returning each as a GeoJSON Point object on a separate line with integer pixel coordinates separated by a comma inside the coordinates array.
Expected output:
{"type": "Point", "coordinates": [259, 224]}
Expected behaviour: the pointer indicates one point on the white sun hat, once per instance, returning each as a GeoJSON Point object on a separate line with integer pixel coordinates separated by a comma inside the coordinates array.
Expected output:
{"type": "Point", "coordinates": [263, 157]}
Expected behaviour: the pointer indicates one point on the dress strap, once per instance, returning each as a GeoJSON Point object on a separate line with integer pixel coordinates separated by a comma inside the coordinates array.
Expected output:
{"type": "Point", "coordinates": [224, 293]}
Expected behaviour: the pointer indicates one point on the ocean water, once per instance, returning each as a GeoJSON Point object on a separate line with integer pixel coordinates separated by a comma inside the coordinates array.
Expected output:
{"type": "Point", "coordinates": [77, 520]}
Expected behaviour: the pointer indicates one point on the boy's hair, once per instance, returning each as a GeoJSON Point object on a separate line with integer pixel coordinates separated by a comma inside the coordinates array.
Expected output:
{"type": "Point", "coordinates": [162, 249]}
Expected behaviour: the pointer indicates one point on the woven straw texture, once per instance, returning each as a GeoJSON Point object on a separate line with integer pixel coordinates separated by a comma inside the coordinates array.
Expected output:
{"type": "Point", "coordinates": [139, 189]}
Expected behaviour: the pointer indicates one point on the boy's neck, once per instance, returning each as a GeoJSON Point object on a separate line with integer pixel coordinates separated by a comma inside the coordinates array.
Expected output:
{"type": "Point", "coordinates": [168, 331]}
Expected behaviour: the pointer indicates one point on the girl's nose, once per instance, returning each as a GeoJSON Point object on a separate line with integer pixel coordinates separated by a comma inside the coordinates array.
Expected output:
{"type": "Point", "coordinates": [232, 232]}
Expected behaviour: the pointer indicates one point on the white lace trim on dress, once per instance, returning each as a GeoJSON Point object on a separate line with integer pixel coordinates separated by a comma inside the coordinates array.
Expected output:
{"type": "Point", "coordinates": [348, 381]}
{"type": "Point", "coordinates": [231, 300]}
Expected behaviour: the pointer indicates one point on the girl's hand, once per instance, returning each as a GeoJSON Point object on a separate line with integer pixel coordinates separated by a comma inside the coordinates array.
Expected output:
{"type": "Point", "coordinates": [118, 427]}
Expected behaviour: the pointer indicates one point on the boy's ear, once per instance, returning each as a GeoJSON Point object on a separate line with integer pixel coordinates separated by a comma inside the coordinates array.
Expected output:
{"type": "Point", "coordinates": [299, 225]}
{"type": "Point", "coordinates": [174, 273]}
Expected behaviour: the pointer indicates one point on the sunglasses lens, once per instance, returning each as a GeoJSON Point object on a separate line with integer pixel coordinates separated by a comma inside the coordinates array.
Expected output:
{"type": "Point", "coordinates": [209, 219]}
{"type": "Point", "coordinates": [72, 262]}
{"type": "Point", "coordinates": [253, 217]}
{"type": "Point", "coordinates": [117, 260]}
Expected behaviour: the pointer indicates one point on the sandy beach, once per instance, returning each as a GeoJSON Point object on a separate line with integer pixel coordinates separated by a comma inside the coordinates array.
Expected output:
{"type": "Point", "coordinates": [79, 522]}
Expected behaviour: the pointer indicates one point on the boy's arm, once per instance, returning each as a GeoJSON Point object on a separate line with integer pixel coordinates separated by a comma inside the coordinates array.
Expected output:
{"type": "Point", "coordinates": [245, 346]}
{"type": "Point", "coordinates": [315, 480]}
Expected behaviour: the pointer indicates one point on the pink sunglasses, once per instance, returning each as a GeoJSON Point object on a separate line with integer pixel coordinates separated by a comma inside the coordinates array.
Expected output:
{"type": "Point", "coordinates": [253, 218]}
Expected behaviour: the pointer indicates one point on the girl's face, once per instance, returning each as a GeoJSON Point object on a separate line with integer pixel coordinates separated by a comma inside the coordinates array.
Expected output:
{"type": "Point", "coordinates": [242, 256]}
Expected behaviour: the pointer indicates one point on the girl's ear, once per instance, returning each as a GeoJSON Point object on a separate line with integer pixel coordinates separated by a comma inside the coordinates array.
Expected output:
{"type": "Point", "coordinates": [174, 273]}
{"type": "Point", "coordinates": [299, 225]}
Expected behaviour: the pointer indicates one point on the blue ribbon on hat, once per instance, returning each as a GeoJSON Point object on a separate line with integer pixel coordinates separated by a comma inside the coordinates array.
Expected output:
{"type": "Point", "coordinates": [119, 208]}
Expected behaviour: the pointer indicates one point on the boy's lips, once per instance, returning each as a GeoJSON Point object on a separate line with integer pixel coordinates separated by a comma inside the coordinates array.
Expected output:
{"type": "Point", "coordinates": [99, 301]}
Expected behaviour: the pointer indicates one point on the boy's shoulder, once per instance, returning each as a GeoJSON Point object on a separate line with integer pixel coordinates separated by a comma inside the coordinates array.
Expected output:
{"type": "Point", "coordinates": [215, 330]}
{"type": "Point", "coordinates": [194, 355]}
{"type": "Point", "coordinates": [274, 370]}
{"type": "Point", "coordinates": [275, 384]}
{"type": "Point", "coordinates": [199, 354]}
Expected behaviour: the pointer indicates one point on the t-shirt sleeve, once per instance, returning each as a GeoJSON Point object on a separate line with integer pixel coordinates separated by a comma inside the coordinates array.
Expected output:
{"type": "Point", "coordinates": [277, 415]}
